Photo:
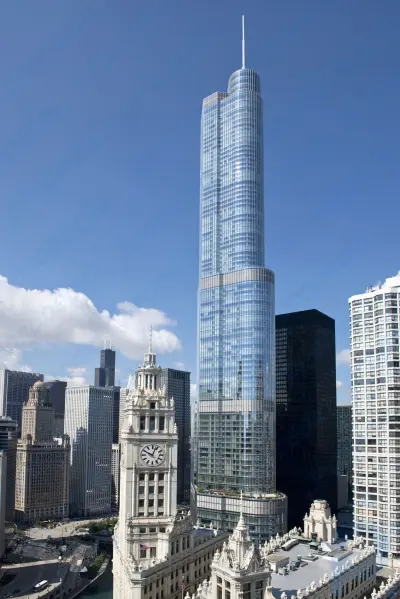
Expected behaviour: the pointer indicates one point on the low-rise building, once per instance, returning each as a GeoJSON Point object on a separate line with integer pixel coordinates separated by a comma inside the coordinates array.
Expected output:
{"type": "Point", "coordinates": [289, 567]}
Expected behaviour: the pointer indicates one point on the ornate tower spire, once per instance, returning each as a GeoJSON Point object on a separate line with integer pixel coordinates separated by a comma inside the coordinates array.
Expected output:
{"type": "Point", "coordinates": [150, 356]}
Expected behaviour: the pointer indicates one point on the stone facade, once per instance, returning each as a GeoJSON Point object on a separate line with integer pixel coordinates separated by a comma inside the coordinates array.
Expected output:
{"type": "Point", "coordinates": [157, 552]}
{"type": "Point", "coordinates": [320, 522]}
{"type": "Point", "coordinates": [43, 465]}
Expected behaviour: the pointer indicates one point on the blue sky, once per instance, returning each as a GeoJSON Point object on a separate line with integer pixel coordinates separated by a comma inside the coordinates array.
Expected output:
{"type": "Point", "coordinates": [99, 164]}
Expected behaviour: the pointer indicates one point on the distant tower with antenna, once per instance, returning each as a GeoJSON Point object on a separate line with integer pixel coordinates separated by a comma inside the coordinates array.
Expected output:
{"type": "Point", "coordinates": [105, 377]}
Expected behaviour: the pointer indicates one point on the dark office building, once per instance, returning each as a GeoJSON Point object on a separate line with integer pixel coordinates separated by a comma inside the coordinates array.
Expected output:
{"type": "Point", "coordinates": [306, 446]}
{"type": "Point", "coordinates": [345, 443]}
{"type": "Point", "coordinates": [105, 377]}
{"type": "Point", "coordinates": [14, 392]}
{"type": "Point", "coordinates": [57, 400]}
{"type": "Point", "coordinates": [177, 385]}
{"type": "Point", "coordinates": [8, 444]}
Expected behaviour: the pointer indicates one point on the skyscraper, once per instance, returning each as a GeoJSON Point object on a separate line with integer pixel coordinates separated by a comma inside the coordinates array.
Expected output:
{"type": "Point", "coordinates": [375, 385]}
{"type": "Point", "coordinates": [115, 454]}
{"type": "Point", "coordinates": [345, 443]}
{"type": "Point", "coordinates": [43, 465]}
{"type": "Point", "coordinates": [177, 386]}
{"type": "Point", "coordinates": [3, 493]}
{"type": "Point", "coordinates": [8, 444]}
{"type": "Point", "coordinates": [57, 400]}
{"type": "Point", "coordinates": [306, 446]}
{"type": "Point", "coordinates": [105, 377]}
{"type": "Point", "coordinates": [14, 392]}
{"type": "Point", "coordinates": [236, 408]}
{"type": "Point", "coordinates": [88, 423]}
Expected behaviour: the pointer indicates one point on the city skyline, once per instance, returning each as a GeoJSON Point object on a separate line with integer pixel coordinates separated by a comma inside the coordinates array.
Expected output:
{"type": "Point", "coordinates": [313, 104]}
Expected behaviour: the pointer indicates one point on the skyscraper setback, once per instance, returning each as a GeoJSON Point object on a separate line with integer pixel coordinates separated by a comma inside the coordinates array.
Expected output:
{"type": "Point", "coordinates": [236, 409]}
{"type": "Point", "coordinates": [105, 375]}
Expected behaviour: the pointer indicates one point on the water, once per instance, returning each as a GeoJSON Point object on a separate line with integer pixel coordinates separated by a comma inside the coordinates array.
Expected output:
{"type": "Point", "coordinates": [101, 589]}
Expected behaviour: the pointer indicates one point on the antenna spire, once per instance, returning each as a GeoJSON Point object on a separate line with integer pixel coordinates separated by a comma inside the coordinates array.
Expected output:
{"type": "Point", "coordinates": [150, 339]}
{"type": "Point", "coordinates": [243, 45]}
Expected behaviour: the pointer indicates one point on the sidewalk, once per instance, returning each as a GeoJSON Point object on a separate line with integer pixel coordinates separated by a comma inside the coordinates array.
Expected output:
{"type": "Point", "coordinates": [44, 562]}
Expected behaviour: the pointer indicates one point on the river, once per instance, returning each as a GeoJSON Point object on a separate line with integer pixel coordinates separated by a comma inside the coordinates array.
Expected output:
{"type": "Point", "coordinates": [101, 589]}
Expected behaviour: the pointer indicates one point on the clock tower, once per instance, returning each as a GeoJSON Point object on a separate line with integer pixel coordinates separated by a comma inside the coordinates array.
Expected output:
{"type": "Point", "coordinates": [148, 474]}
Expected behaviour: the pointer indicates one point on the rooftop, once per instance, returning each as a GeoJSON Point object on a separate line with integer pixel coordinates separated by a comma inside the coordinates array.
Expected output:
{"type": "Point", "coordinates": [391, 283]}
{"type": "Point", "coordinates": [311, 568]}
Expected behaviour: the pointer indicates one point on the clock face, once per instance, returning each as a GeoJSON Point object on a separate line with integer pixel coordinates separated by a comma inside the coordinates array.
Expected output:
{"type": "Point", "coordinates": [152, 455]}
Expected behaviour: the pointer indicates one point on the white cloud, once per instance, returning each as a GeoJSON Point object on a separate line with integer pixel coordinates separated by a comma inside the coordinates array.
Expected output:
{"type": "Point", "coordinates": [76, 377]}
{"type": "Point", "coordinates": [11, 358]}
{"type": "Point", "coordinates": [193, 392]}
{"type": "Point", "coordinates": [179, 365]}
{"type": "Point", "coordinates": [32, 316]}
{"type": "Point", "coordinates": [343, 357]}
{"type": "Point", "coordinates": [339, 384]}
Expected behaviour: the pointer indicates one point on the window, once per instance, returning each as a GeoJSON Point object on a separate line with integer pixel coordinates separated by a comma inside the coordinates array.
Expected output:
{"type": "Point", "coordinates": [152, 423]}
{"type": "Point", "coordinates": [143, 553]}
{"type": "Point", "coordinates": [153, 551]}
{"type": "Point", "coordinates": [161, 476]}
{"type": "Point", "coordinates": [142, 423]}
{"type": "Point", "coordinates": [162, 423]}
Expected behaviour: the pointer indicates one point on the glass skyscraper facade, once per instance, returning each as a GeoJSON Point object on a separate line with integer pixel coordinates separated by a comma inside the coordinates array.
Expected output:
{"type": "Point", "coordinates": [235, 433]}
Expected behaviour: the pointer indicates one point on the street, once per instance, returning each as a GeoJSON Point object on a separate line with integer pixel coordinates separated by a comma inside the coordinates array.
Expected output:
{"type": "Point", "coordinates": [27, 575]}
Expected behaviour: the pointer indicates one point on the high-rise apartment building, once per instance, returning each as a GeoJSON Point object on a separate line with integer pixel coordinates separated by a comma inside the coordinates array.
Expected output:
{"type": "Point", "coordinates": [42, 474]}
{"type": "Point", "coordinates": [57, 400]}
{"type": "Point", "coordinates": [14, 392]}
{"type": "Point", "coordinates": [88, 423]}
{"type": "Point", "coordinates": [8, 444]}
{"type": "Point", "coordinates": [236, 405]}
{"type": "Point", "coordinates": [345, 442]}
{"type": "Point", "coordinates": [177, 387]}
{"type": "Point", "coordinates": [105, 377]}
{"type": "Point", "coordinates": [375, 385]}
{"type": "Point", "coordinates": [306, 410]}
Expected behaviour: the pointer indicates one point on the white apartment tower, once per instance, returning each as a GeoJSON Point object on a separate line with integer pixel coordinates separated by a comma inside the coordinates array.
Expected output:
{"type": "Point", "coordinates": [375, 381]}
{"type": "Point", "coordinates": [89, 424]}
{"type": "Point", "coordinates": [157, 553]}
